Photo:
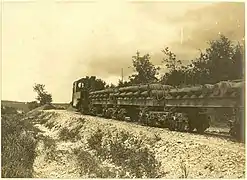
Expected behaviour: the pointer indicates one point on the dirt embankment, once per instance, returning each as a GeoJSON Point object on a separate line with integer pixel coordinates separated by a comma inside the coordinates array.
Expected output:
{"type": "Point", "coordinates": [71, 145]}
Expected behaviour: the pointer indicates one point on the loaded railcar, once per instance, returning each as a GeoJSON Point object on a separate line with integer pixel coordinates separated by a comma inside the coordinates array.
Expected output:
{"type": "Point", "coordinates": [177, 108]}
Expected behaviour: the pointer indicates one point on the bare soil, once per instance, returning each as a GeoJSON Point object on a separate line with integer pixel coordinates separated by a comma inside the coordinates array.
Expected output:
{"type": "Point", "coordinates": [71, 145]}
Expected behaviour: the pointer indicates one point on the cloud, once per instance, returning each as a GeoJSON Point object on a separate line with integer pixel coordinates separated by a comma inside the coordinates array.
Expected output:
{"type": "Point", "coordinates": [56, 43]}
{"type": "Point", "coordinates": [208, 23]}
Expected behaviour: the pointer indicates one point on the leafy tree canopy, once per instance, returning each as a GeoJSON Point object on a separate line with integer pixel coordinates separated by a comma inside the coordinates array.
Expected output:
{"type": "Point", "coordinates": [145, 71]}
{"type": "Point", "coordinates": [222, 60]}
{"type": "Point", "coordinates": [43, 96]}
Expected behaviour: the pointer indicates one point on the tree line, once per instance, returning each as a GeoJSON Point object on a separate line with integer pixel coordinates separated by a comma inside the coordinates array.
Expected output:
{"type": "Point", "coordinates": [222, 60]}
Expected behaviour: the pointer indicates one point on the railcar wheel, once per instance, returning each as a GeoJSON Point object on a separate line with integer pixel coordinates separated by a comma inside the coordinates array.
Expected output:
{"type": "Point", "coordinates": [203, 123]}
{"type": "Point", "coordinates": [172, 125]}
{"type": "Point", "coordinates": [121, 115]}
{"type": "Point", "coordinates": [191, 128]}
{"type": "Point", "coordinates": [115, 113]}
{"type": "Point", "coordinates": [178, 126]}
{"type": "Point", "coordinates": [108, 113]}
{"type": "Point", "coordinates": [234, 130]}
{"type": "Point", "coordinates": [201, 127]}
{"type": "Point", "coordinates": [82, 111]}
{"type": "Point", "coordinates": [93, 111]}
{"type": "Point", "coordinates": [182, 126]}
{"type": "Point", "coordinates": [149, 121]}
{"type": "Point", "coordinates": [143, 116]}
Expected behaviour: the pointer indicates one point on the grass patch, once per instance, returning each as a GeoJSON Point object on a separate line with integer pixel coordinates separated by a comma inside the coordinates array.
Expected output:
{"type": "Point", "coordinates": [95, 141]}
{"type": "Point", "coordinates": [91, 167]}
{"type": "Point", "coordinates": [50, 124]}
{"type": "Point", "coordinates": [126, 151]}
{"type": "Point", "coordinates": [18, 145]}
{"type": "Point", "coordinates": [50, 148]}
{"type": "Point", "coordinates": [65, 134]}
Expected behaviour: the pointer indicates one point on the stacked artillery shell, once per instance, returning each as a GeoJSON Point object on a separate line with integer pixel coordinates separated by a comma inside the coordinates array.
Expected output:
{"type": "Point", "coordinates": [197, 91]}
{"type": "Point", "coordinates": [187, 92]}
{"type": "Point", "coordinates": [159, 91]}
{"type": "Point", "coordinates": [221, 89]}
{"type": "Point", "coordinates": [144, 91]}
{"type": "Point", "coordinates": [237, 89]}
{"type": "Point", "coordinates": [224, 88]}
{"type": "Point", "coordinates": [102, 94]}
{"type": "Point", "coordinates": [207, 89]}
{"type": "Point", "coordinates": [128, 92]}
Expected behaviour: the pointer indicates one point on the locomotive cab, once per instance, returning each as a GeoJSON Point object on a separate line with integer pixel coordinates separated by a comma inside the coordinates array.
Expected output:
{"type": "Point", "coordinates": [80, 97]}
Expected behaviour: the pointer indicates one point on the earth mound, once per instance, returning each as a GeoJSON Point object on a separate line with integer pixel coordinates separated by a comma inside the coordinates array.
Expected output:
{"type": "Point", "coordinates": [72, 145]}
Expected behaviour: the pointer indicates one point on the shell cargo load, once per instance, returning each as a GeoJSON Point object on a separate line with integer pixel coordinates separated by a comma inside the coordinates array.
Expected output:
{"type": "Point", "coordinates": [176, 108]}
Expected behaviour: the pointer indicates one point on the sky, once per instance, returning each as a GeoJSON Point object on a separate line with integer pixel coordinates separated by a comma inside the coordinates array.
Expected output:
{"type": "Point", "coordinates": [57, 42]}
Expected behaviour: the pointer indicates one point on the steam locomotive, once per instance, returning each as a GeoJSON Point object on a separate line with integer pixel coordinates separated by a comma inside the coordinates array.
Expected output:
{"type": "Point", "coordinates": [177, 108]}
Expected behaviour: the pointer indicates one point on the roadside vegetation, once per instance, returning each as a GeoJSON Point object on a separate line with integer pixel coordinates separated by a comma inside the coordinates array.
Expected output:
{"type": "Point", "coordinates": [18, 144]}
{"type": "Point", "coordinates": [131, 154]}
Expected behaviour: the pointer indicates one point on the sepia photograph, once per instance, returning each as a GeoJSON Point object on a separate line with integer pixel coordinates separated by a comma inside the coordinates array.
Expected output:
{"type": "Point", "coordinates": [123, 89]}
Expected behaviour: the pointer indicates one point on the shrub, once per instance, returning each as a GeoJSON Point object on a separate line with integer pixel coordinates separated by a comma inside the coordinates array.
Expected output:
{"type": "Point", "coordinates": [50, 124]}
{"type": "Point", "coordinates": [95, 140]}
{"type": "Point", "coordinates": [32, 105]}
{"type": "Point", "coordinates": [125, 151]}
{"type": "Point", "coordinates": [90, 166]}
{"type": "Point", "coordinates": [65, 134]}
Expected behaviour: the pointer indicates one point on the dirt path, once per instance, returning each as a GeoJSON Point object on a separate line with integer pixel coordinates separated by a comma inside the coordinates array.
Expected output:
{"type": "Point", "coordinates": [76, 146]}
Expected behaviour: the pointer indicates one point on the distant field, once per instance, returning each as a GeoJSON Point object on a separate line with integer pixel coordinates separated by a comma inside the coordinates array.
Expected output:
{"type": "Point", "coordinates": [15, 104]}
{"type": "Point", "coordinates": [23, 105]}
{"type": "Point", "coordinates": [65, 105]}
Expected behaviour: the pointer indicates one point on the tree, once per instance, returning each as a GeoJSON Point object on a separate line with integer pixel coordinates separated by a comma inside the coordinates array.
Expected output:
{"type": "Point", "coordinates": [94, 84]}
{"type": "Point", "coordinates": [221, 61]}
{"type": "Point", "coordinates": [176, 72]}
{"type": "Point", "coordinates": [238, 62]}
{"type": "Point", "coordinates": [110, 86]}
{"type": "Point", "coordinates": [43, 96]}
{"type": "Point", "coordinates": [123, 84]}
{"type": "Point", "coordinates": [146, 71]}
{"type": "Point", "coordinates": [170, 60]}
{"type": "Point", "coordinates": [200, 72]}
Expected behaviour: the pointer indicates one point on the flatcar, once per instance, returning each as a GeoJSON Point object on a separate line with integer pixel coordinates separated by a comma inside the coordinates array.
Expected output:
{"type": "Point", "coordinates": [184, 108]}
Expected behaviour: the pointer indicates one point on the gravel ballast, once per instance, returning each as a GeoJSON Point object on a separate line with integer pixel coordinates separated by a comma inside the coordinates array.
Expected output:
{"type": "Point", "coordinates": [72, 145]}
